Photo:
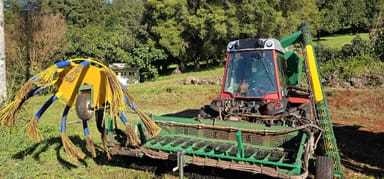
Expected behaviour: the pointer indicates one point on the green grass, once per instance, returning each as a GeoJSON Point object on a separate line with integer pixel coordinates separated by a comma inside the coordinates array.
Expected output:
{"type": "Point", "coordinates": [337, 41]}
{"type": "Point", "coordinates": [168, 94]}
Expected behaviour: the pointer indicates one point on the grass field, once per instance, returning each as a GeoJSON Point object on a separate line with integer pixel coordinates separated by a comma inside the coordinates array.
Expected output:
{"type": "Point", "coordinates": [337, 41]}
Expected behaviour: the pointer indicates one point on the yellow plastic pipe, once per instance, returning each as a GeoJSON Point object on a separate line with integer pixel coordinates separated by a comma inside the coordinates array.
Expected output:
{"type": "Point", "coordinates": [314, 75]}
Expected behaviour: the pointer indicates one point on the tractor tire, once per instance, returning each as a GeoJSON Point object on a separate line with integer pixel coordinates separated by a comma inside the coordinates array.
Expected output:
{"type": "Point", "coordinates": [83, 104]}
{"type": "Point", "coordinates": [324, 167]}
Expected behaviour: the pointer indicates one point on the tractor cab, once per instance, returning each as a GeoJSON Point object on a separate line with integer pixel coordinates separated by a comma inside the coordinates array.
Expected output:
{"type": "Point", "coordinates": [256, 82]}
{"type": "Point", "coordinates": [254, 70]}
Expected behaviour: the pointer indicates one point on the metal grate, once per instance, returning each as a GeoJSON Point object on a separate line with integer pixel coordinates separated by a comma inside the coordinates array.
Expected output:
{"type": "Point", "coordinates": [252, 138]}
{"type": "Point", "coordinates": [216, 134]}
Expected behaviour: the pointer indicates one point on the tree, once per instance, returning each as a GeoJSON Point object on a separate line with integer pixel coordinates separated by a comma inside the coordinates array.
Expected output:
{"type": "Point", "coordinates": [166, 20]}
{"type": "Point", "coordinates": [47, 43]}
{"type": "Point", "coordinates": [80, 13]}
{"type": "Point", "coordinates": [296, 12]}
{"type": "Point", "coordinates": [127, 16]}
{"type": "Point", "coordinates": [35, 39]}
{"type": "Point", "coordinates": [195, 31]}
{"type": "Point", "coordinates": [3, 79]}
{"type": "Point", "coordinates": [355, 17]}
{"type": "Point", "coordinates": [144, 58]}
{"type": "Point", "coordinates": [331, 13]}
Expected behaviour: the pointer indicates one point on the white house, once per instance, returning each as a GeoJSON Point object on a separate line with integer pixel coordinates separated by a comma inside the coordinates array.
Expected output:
{"type": "Point", "coordinates": [125, 73]}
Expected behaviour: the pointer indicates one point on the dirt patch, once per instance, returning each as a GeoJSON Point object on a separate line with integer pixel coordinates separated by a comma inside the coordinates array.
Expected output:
{"type": "Point", "coordinates": [359, 128]}
{"type": "Point", "coordinates": [364, 108]}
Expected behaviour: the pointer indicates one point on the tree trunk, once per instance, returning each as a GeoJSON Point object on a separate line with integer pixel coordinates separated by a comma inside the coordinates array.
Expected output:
{"type": "Point", "coordinates": [28, 31]}
{"type": "Point", "coordinates": [197, 64]}
{"type": "Point", "coordinates": [3, 79]}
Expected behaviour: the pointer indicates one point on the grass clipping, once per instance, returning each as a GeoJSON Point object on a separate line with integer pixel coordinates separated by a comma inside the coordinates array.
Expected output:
{"type": "Point", "coordinates": [117, 96]}
{"type": "Point", "coordinates": [132, 138]}
{"type": "Point", "coordinates": [73, 152]}
{"type": "Point", "coordinates": [151, 127]}
{"type": "Point", "coordinates": [90, 146]}
{"type": "Point", "coordinates": [46, 77]}
{"type": "Point", "coordinates": [33, 131]}
{"type": "Point", "coordinates": [117, 104]}
{"type": "Point", "coordinates": [8, 113]}
{"type": "Point", "coordinates": [74, 73]}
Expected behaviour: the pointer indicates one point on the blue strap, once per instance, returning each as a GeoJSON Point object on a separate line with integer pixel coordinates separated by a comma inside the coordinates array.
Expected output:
{"type": "Point", "coordinates": [45, 107]}
{"type": "Point", "coordinates": [34, 92]}
{"type": "Point", "coordinates": [131, 105]}
{"type": "Point", "coordinates": [63, 64]}
{"type": "Point", "coordinates": [85, 127]}
{"type": "Point", "coordinates": [64, 119]}
{"type": "Point", "coordinates": [123, 118]}
{"type": "Point", "coordinates": [85, 63]}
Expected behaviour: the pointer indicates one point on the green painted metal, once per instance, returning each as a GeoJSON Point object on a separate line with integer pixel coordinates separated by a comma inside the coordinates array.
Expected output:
{"type": "Point", "coordinates": [301, 150]}
{"type": "Point", "coordinates": [324, 118]}
{"type": "Point", "coordinates": [109, 123]}
{"type": "Point", "coordinates": [240, 147]}
{"type": "Point", "coordinates": [188, 134]}
{"type": "Point", "coordinates": [291, 39]}
{"type": "Point", "coordinates": [233, 124]}
{"type": "Point", "coordinates": [143, 138]}
{"type": "Point", "coordinates": [293, 168]}
{"type": "Point", "coordinates": [295, 68]}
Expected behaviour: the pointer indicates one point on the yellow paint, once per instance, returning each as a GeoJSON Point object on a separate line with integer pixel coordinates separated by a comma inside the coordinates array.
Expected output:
{"type": "Point", "coordinates": [90, 75]}
{"type": "Point", "coordinates": [314, 75]}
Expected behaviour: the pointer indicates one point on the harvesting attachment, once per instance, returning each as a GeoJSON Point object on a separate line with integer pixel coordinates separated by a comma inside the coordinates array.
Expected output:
{"type": "Point", "coordinates": [89, 87]}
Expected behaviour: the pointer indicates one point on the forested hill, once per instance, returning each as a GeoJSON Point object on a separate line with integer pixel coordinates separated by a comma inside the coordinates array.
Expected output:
{"type": "Point", "coordinates": [153, 34]}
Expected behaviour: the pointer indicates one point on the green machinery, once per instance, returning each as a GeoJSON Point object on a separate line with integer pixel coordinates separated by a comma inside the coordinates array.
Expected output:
{"type": "Point", "coordinates": [265, 121]}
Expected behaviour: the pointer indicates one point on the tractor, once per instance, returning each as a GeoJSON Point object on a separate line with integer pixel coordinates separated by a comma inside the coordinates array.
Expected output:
{"type": "Point", "coordinates": [266, 120]}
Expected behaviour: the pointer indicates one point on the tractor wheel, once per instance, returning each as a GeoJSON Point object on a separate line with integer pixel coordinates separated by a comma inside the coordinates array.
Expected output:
{"type": "Point", "coordinates": [324, 167]}
{"type": "Point", "coordinates": [83, 106]}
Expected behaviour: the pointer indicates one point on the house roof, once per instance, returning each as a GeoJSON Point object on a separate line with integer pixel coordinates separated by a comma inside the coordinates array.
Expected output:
{"type": "Point", "coordinates": [121, 66]}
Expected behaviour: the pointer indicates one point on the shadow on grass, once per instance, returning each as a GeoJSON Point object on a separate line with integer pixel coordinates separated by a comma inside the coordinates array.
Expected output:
{"type": "Point", "coordinates": [189, 113]}
{"type": "Point", "coordinates": [39, 148]}
{"type": "Point", "coordinates": [361, 151]}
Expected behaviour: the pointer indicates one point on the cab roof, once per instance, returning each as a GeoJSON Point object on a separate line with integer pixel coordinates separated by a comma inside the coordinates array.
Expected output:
{"type": "Point", "coordinates": [254, 43]}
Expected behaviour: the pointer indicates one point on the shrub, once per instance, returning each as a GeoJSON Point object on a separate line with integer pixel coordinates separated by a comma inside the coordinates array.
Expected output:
{"type": "Point", "coordinates": [377, 38]}
{"type": "Point", "coordinates": [352, 67]}
{"type": "Point", "coordinates": [325, 54]}
{"type": "Point", "coordinates": [359, 47]}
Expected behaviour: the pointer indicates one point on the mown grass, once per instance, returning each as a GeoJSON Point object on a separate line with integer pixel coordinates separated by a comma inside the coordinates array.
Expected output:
{"type": "Point", "coordinates": [168, 94]}
{"type": "Point", "coordinates": [338, 41]}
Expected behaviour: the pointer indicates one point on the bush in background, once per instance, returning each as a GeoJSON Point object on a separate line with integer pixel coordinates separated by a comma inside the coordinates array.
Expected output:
{"type": "Point", "coordinates": [377, 38]}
